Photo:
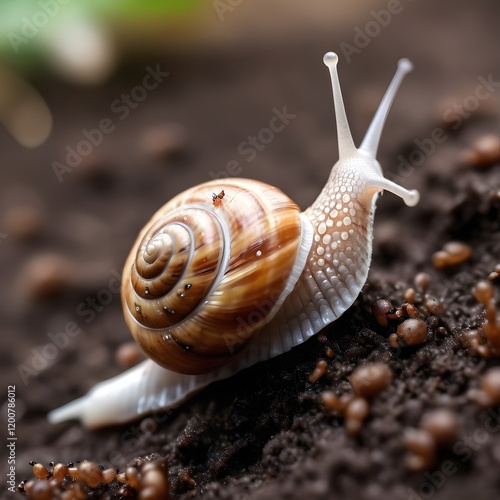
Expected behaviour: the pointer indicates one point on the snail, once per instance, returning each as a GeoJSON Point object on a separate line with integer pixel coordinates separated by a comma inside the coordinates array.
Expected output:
{"type": "Point", "coordinates": [218, 282]}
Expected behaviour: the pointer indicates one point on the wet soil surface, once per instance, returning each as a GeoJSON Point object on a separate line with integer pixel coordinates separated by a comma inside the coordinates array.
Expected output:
{"type": "Point", "coordinates": [266, 433]}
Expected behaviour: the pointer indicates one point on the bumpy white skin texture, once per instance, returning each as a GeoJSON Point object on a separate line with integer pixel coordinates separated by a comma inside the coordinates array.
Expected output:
{"type": "Point", "coordinates": [331, 269]}
{"type": "Point", "coordinates": [339, 260]}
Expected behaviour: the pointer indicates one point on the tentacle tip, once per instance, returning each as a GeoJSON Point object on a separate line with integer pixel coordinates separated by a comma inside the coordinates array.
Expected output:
{"type": "Point", "coordinates": [412, 198]}
{"type": "Point", "coordinates": [70, 411]}
{"type": "Point", "coordinates": [55, 417]}
{"type": "Point", "coordinates": [405, 65]}
{"type": "Point", "coordinates": [331, 59]}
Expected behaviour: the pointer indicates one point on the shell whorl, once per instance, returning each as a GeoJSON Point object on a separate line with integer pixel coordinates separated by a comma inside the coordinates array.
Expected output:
{"type": "Point", "coordinates": [202, 278]}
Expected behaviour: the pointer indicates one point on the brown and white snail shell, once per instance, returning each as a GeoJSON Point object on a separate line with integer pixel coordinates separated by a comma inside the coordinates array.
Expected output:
{"type": "Point", "coordinates": [218, 282]}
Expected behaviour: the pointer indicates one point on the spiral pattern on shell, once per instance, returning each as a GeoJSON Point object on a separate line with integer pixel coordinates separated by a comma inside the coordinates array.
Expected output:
{"type": "Point", "coordinates": [178, 262]}
{"type": "Point", "coordinates": [203, 277]}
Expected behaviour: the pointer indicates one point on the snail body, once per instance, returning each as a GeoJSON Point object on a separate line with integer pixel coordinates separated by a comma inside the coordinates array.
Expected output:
{"type": "Point", "coordinates": [218, 282]}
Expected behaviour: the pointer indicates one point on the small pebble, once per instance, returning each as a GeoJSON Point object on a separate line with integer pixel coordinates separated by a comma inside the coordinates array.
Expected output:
{"type": "Point", "coordinates": [484, 350]}
{"type": "Point", "coordinates": [356, 412]}
{"type": "Point", "coordinates": [329, 352]}
{"type": "Point", "coordinates": [380, 309]}
{"type": "Point", "coordinates": [470, 339]}
{"type": "Point", "coordinates": [334, 402]}
{"type": "Point", "coordinates": [493, 275]}
{"type": "Point", "coordinates": [155, 485]}
{"type": "Point", "coordinates": [411, 311]}
{"type": "Point", "coordinates": [440, 259]}
{"type": "Point", "coordinates": [371, 379]}
{"type": "Point", "coordinates": [410, 295]}
{"type": "Point", "coordinates": [90, 474]}
{"type": "Point", "coordinates": [73, 471]}
{"type": "Point", "coordinates": [480, 397]}
{"type": "Point", "coordinates": [422, 281]}
{"type": "Point", "coordinates": [452, 254]}
{"type": "Point", "coordinates": [121, 477]}
{"type": "Point", "coordinates": [319, 371]}
{"type": "Point", "coordinates": [357, 409]}
{"type": "Point", "coordinates": [40, 471]}
{"type": "Point", "coordinates": [132, 475]}
{"type": "Point", "coordinates": [128, 354]}
{"type": "Point", "coordinates": [413, 331]}
{"type": "Point", "coordinates": [59, 472]}
{"type": "Point", "coordinates": [394, 341]}
{"type": "Point", "coordinates": [483, 291]}
{"type": "Point", "coordinates": [108, 475]}
{"type": "Point", "coordinates": [433, 305]}
{"type": "Point", "coordinates": [421, 444]}
{"type": "Point", "coordinates": [443, 425]}
{"type": "Point", "coordinates": [154, 480]}
{"type": "Point", "coordinates": [490, 384]}
{"type": "Point", "coordinates": [485, 151]}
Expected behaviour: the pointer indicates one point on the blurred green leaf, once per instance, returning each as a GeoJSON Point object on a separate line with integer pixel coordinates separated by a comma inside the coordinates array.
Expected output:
{"type": "Point", "coordinates": [146, 7]}
{"type": "Point", "coordinates": [18, 17]}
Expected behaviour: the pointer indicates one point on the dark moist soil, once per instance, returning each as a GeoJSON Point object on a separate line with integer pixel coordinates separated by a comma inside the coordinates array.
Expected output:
{"type": "Point", "coordinates": [265, 433]}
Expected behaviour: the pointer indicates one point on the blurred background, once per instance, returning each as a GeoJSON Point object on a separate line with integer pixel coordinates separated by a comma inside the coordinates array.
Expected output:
{"type": "Point", "coordinates": [108, 109]}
